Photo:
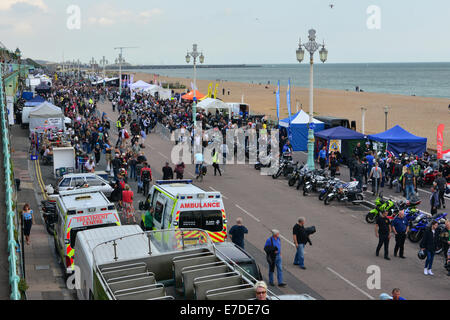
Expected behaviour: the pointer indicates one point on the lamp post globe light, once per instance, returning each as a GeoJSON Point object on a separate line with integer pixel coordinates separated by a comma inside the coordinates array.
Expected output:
{"type": "Point", "coordinates": [311, 46]}
{"type": "Point", "coordinates": [119, 61]}
{"type": "Point", "coordinates": [195, 54]}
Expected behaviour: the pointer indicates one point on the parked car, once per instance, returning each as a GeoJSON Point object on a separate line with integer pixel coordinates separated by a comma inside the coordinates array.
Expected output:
{"type": "Point", "coordinates": [77, 180]}
{"type": "Point", "coordinates": [230, 251]}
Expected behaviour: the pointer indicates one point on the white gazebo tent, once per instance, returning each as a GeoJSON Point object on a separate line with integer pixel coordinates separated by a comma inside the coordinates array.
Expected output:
{"type": "Point", "coordinates": [214, 104]}
{"type": "Point", "coordinates": [46, 115]}
{"type": "Point", "coordinates": [140, 85]}
{"type": "Point", "coordinates": [163, 94]}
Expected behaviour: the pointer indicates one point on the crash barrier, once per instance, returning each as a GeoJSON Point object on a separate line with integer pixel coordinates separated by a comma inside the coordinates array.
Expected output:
{"type": "Point", "coordinates": [163, 131]}
{"type": "Point", "coordinates": [10, 215]}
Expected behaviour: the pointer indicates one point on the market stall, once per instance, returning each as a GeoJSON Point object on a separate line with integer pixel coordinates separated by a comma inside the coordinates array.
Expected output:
{"type": "Point", "coordinates": [340, 139]}
{"type": "Point", "coordinates": [46, 115]}
{"type": "Point", "coordinates": [397, 140]}
{"type": "Point", "coordinates": [298, 129]}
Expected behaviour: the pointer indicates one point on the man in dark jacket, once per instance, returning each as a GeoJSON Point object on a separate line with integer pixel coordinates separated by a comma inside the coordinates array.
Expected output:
{"type": "Point", "coordinates": [359, 173]}
{"type": "Point", "coordinates": [428, 244]}
{"type": "Point", "coordinates": [300, 239]}
{"type": "Point", "coordinates": [441, 185]}
{"type": "Point", "coordinates": [167, 172]}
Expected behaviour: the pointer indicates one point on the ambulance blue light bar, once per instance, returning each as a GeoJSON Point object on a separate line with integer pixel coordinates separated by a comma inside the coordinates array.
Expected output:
{"type": "Point", "coordinates": [162, 182]}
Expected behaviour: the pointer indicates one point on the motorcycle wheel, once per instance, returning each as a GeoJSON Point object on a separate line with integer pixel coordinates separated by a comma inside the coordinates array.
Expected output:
{"type": "Point", "coordinates": [415, 236]}
{"type": "Point", "coordinates": [50, 229]}
{"type": "Point", "coordinates": [258, 166]}
{"type": "Point", "coordinates": [370, 218]}
{"type": "Point", "coordinates": [322, 196]}
{"type": "Point", "coordinates": [292, 181]}
{"type": "Point", "coordinates": [275, 176]}
{"type": "Point", "coordinates": [300, 182]}
{"type": "Point", "coordinates": [359, 197]}
{"type": "Point", "coordinates": [328, 201]}
{"type": "Point", "coordinates": [305, 193]}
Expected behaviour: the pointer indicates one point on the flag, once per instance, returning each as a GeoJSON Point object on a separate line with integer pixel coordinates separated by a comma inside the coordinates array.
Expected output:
{"type": "Point", "coordinates": [288, 100]}
{"type": "Point", "coordinates": [440, 140]}
{"type": "Point", "coordinates": [215, 91]}
{"type": "Point", "coordinates": [278, 101]}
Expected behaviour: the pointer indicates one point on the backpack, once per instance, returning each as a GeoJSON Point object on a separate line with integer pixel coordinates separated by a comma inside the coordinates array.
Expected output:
{"type": "Point", "coordinates": [125, 134]}
{"type": "Point", "coordinates": [146, 175]}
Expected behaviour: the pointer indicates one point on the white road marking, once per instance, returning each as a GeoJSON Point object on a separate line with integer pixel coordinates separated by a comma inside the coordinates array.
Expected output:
{"type": "Point", "coordinates": [150, 147]}
{"type": "Point", "coordinates": [218, 191]}
{"type": "Point", "coordinates": [351, 284]}
{"type": "Point", "coordinates": [163, 155]}
{"type": "Point", "coordinates": [290, 242]}
{"type": "Point", "coordinates": [248, 213]}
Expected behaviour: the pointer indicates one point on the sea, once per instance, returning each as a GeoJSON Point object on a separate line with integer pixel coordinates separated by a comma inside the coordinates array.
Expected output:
{"type": "Point", "coordinates": [411, 79]}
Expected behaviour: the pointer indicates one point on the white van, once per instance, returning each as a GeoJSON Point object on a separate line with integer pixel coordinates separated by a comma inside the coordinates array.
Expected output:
{"type": "Point", "coordinates": [87, 241]}
{"type": "Point", "coordinates": [78, 211]}
{"type": "Point", "coordinates": [179, 204]}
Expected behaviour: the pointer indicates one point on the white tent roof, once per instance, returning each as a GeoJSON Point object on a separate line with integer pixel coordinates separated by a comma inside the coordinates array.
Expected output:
{"type": "Point", "coordinates": [152, 88]}
{"type": "Point", "coordinates": [139, 85]}
{"type": "Point", "coordinates": [46, 110]}
{"type": "Point", "coordinates": [210, 103]}
{"type": "Point", "coordinates": [300, 118]}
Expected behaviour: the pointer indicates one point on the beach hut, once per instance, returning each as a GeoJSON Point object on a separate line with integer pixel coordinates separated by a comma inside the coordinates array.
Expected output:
{"type": "Point", "coordinates": [46, 115]}
{"type": "Point", "coordinates": [298, 129]}
{"type": "Point", "coordinates": [398, 140]}
{"type": "Point", "coordinates": [340, 139]}
{"type": "Point", "coordinates": [190, 96]}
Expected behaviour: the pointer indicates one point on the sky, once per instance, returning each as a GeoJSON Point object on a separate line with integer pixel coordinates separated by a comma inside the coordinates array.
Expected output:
{"type": "Point", "coordinates": [228, 32]}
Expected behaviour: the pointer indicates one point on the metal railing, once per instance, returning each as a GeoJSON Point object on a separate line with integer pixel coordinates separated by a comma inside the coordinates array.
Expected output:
{"type": "Point", "coordinates": [10, 215]}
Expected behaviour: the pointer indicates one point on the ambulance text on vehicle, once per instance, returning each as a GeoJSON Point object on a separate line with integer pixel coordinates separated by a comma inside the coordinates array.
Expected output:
{"type": "Point", "coordinates": [178, 204]}
{"type": "Point", "coordinates": [79, 211]}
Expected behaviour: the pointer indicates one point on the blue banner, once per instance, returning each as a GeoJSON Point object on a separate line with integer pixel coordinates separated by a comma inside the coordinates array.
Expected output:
{"type": "Point", "coordinates": [288, 99]}
{"type": "Point", "coordinates": [278, 101]}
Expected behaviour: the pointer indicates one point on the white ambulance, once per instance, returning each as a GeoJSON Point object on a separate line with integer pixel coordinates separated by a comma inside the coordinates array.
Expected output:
{"type": "Point", "coordinates": [76, 211]}
{"type": "Point", "coordinates": [174, 204]}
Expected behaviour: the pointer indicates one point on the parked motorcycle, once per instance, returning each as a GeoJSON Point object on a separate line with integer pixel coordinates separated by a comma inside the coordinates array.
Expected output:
{"type": "Point", "coordinates": [286, 167]}
{"type": "Point", "coordinates": [381, 206]}
{"type": "Point", "coordinates": [49, 215]}
{"type": "Point", "coordinates": [345, 193]}
{"type": "Point", "coordinates": [317, 182]}
{"type": "Point", "coordinates": [419, 225]}
{"type": "Point", "coordinates": [295, 175]}
{"type": "Point", "coordinates": [328, 188]}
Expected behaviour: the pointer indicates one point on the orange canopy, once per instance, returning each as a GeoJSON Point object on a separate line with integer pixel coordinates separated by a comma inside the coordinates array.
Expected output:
{"type": "Point", "coordinates": [190, 96]}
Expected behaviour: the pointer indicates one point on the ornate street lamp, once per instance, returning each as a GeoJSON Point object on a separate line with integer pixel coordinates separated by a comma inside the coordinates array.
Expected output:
{"type": "Point", "coordinates": [311, 46]}
{"type": "Point", "coordinates": [195, 54]}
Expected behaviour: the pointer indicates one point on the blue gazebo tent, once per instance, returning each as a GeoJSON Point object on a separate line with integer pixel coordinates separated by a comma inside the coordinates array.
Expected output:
{"type": "Point", "coordinates": [349, 139]}
{"type": "Point", "coordinates": [398, 140]}
{"type": "Point", "coordinates": [339, 133]}
{"type": "Point", "coordinates": [298, 129]}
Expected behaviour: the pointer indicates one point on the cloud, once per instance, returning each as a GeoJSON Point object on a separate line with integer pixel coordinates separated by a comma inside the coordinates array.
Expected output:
{"type": "Point", "coordinates": [106, 15]}
{"type": "Point", "coordinates": [8, 4]}
{"type": "Point", "coordinates": [150, 13]}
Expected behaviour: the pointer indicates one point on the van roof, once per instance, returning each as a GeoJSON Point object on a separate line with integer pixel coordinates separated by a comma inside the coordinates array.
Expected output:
{"type": "Point", "coordinates": [84, 200]}
{"type": "Point", "coordinates": [181, 188]}
{"type": "Point", "coordinates": [128, 248]}
{"type": "Point", "coordinates": [72, 175]}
